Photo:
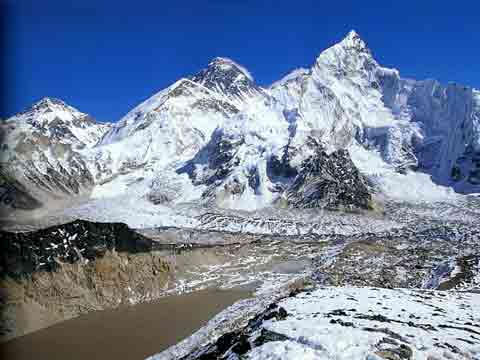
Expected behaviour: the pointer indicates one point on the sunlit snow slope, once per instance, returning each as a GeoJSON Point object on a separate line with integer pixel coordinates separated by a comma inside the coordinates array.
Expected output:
{"type": "Point", "coordinates": [218, 139]}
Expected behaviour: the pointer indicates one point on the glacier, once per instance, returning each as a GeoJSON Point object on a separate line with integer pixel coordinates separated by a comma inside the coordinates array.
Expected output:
{"type": "Point", "coordinates": [218, 140]}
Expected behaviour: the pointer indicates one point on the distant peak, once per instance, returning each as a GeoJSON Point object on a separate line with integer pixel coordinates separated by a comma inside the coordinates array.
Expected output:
{"type": "Point", "coordinates": [221, 60]}
{"type": "Point", "coordinates": [353, 40]}
{"type": "Point", "coordinates": [48, 101]}
{"type": "Point", "coordinates": [352, 34]}
{"type": "Point", "coordinates": [226, 64]}
{"type": "Point", "coordinates": [349, 55]}
{"type": "Point", "coordinates": [50, 104]}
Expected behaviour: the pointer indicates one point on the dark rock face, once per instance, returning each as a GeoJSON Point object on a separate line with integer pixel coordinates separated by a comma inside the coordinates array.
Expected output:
{"type": "Point", "coordinates": [67, 181]}
{"type": "Point", "coordinates": [467, 167]}
{"type": "Point", "coordinates": [238, 343]}
{"type": "Point", "coordinates": [227, 77]}
{"type": "Point", "coordinates": [64, 271]}
{"type": "Point", "coordinates": [281, 166]}
{"type": "Point", "coordinates": [14, 195]}
{"type": "Point", "coordinates": [323, 181]}
{"type": "Point", "coordinates": [25, 253]}
{"type": "Point", "coordinates": [214, 162]}
{"type": "Point", "coordinates": [188, 88]}
{"type": "Point", "coordinates": [221, 152]}
{"type": "Point", "coordinates": [329, 181]}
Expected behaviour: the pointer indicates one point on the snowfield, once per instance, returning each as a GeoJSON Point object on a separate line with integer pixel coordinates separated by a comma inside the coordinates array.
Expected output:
{"type": "Point", "coordinates": [396, 134]}
{"type": "Point", "coordinates": [370, 323]}
{"type": "Point", "coordinates": [354, 323]}
{"type": "Point", "coordinates": [217, 139]}
{"type": "Point", "coordinates": [343, 174]}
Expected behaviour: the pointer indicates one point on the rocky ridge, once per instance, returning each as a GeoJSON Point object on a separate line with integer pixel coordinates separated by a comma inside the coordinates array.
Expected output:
{"type": "Point", "coordinates": [218, 139]}
{"type": "Point", "coordinates": [41, 160]}
{"type": "Point", "coordinates": [61, 272]}
{"type": "Point", "coordinates": [355, 323]}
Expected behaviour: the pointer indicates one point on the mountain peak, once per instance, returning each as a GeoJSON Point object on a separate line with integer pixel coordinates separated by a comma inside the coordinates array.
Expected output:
{"type": "Point", "coordinates": [49, 102]}
{"type": "Point", "coordinates": [350, 54]}
{"type": "Point", "coordinates": [48, 109]}
{"type": "Point", "coordinates": [226, 65]}
{"type": "Point", "coordinates": [225, 76]}
{"type": "Point", "coordinates": [353, 40]}
{"type": "Point", "coordinates": [352, 34]}
{"type": "Point", "coordinates": [222, 60]}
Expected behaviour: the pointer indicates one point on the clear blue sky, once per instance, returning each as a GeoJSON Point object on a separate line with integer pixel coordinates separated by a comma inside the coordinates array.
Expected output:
{"type": "Point", "coordinates": [104, 57]}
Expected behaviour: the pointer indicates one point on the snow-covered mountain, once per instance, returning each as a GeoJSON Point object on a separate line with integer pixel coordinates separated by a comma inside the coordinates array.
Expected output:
{"type": "Point", "coordinates": [219, 139]}
{"type": "Point", "coordinates": [40, 156]}
{"type": "Point", "coordinates": [420, 125]}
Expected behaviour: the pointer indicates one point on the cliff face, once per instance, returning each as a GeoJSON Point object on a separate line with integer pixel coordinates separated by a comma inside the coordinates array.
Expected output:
{"type": "Point", "coordinates": [219, 140]}
{"type": "Point", "coordinates": [64, 271]}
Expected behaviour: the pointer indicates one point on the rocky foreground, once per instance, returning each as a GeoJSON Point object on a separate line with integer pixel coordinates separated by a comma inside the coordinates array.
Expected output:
{"type": "Point", "coordinates": [355, 323]}
{"type": "Point", "coordinates": [60, 272]}
{"type": "Point", "coordinates": [411, 292]}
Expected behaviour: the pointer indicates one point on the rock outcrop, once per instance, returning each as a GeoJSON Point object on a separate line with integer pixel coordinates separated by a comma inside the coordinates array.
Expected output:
{"type": "Point", "coordinates": [61, 272]}
{"type": "Point", "coordinates": [329, 181]}
{"type": "Point", "coordinates": [356, 323]}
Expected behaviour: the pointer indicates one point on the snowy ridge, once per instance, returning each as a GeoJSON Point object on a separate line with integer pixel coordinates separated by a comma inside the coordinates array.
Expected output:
{"type": "Point", "coordinates": [56, 120]}
{"type": "Point", "coordinates": [345, 323]}
{"type": "Point", "coordinates": [375, 324]}
{"type": "Point", "coordinates": [226, 62]}
{"type": "Point", "coordinates": [218, 139]}
{"type": "Point", "coordinates": [41, 158]}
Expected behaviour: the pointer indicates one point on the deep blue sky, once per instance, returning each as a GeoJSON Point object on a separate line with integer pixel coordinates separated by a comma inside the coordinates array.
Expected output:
{"type": "Point", "coordinates": [104, 57]}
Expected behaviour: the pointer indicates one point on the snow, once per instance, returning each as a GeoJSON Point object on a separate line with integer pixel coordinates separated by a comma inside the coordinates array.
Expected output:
{"type": "Point", "coordinates": [346, 100]}
{"type": "Point", "coordinates": [137, 213]}
{"type": "Point", "coordinates": [227, 63]}
{"type": "Point", "coordinates": [42, 114]}
{"type": "Point", "coordinates": [286, 350]}
{"type": "Point", "coordinates": [352, 323]}
{"type": "Point", "coordinates": [294, 75]}
{"type": "Point", "coordinates": [415, 187]}
{"type": "Point", "coordinates": [309, 328]}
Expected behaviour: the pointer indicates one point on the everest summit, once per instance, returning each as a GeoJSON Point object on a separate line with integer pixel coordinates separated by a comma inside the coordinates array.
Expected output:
{"type": "Point", "coordinates": [345, 133]}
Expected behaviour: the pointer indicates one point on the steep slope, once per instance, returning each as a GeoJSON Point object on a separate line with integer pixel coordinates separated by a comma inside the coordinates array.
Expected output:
{"type": "Point", "coordinates": [174, 124]}
{"type": "Point", "coordinates": [218, 139]}
{"type": "Point", "coordinates": [351, 323]}
{"type": "Point", "coordinates": [176, 131]}
{"type": "Point", "coordinates": [449, 118]}
{"type": "Point", "coordinates": [226, 77]}
{"type": "Point", "coordinates": [59, 122]}
{"type": "Point", "coordinates": [329, 181]}
{"type": "Point", "coordinates": [40, 158]}
{"type": "Point", "coordinates": [350, 101]}
{"type": "Point", "coordinates": [61, 272]}
{"type": "Point", "coordinates": [270, 139]}
{"type": "Point", "coordinates": [346, 100]}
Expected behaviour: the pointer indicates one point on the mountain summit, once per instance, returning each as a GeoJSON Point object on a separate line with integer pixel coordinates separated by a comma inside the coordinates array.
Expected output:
{"type": "Point", "coordinates": [217, 139]}
{"type": "Point", "coordinates": [353, 40]}
{"type": "Point", "coordinates": [228, 78]}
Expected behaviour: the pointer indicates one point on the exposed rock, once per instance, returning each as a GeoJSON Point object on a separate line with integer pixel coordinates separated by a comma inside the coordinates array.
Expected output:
{"type": "Point", "coordinates": [66, 270]}
{"type": "Point", "coordinates": [34, 301]}
{"type": "Point", "coordinates": [329, 181]}
{"type": "Point", "coordinates": [309, 327]}
{"type": "Point", "coordinates": [25, 253]}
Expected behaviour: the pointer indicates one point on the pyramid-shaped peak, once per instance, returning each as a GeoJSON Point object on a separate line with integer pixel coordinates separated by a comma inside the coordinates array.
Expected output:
{"type": "Point", "coordinates": [352, 34]}
{"type": "Point", "coordinates": [48, 102]}
{"type": "Point", "coordinates": [223, 64]}
{"type": "Point", "coordinates": [50, 105]}
{"type": "Point", "coordinates": [222, 60]}
{"type": "Point", "coordinates": [353, 40]}
{"type": "Point", "coordinates": [349, 55]}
